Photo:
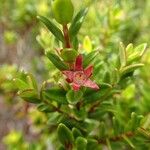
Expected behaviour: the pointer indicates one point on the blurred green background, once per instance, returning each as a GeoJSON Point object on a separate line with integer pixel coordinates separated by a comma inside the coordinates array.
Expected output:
{"type": "Point", "coordinates": [23, 38]}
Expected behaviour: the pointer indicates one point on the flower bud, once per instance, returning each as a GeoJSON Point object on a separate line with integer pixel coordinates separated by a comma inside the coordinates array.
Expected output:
{"type": "Point", "coordinates": [63, 11]}
{"type": "Point", "coordinates": [69, 55]}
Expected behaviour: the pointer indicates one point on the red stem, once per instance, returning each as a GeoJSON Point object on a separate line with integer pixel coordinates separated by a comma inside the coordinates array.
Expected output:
{"type": "Point", "coordinates": [117, 138]}
{"type": "Point", "coordinates": [66, 36]}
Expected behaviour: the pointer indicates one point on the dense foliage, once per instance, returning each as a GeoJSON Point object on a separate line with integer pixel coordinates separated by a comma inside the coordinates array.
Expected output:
{"type": "Point", "coordinates": [95, 89]}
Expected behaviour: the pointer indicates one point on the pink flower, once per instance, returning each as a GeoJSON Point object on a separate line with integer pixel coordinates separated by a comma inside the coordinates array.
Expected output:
{"type": "Point", "coordinates": [79, 76]}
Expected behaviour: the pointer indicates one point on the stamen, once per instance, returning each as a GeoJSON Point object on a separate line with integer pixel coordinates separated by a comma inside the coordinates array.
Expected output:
{"type": "Point", "coordinates": [79, 77]}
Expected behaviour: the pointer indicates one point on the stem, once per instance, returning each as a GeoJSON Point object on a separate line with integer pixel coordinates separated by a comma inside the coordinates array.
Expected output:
{"type": "Point", "coordinates": [26, 125]}
{"type": "Point", "coordinates": [97, 104]}
{"type": "Point", "coordinates": [78, 105]}
{"type": "Point", "coordinates": [66, 36]}
{"type": "Point", "coordinates": [26, 108]}
{"type": "Point", "coordinates": [116, 138]}
{"type": "Point", "coordinates": [93, 107]}
{"type": "Point", "coordinates": [57, 109]}
{"type": "Point", "coordinates": [71, 66]}
{"type": "Point", "coordinates": [68, 146]}
{"type": "Point", "coordinates": [108, 144]}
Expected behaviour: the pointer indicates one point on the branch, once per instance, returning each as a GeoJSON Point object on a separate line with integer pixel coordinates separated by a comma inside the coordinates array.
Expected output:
{"type": "Point", "coordinates": [128, 134]}
{"type": "Point", "coordinates": [93, 107]}
{"type": "Point", "coordinates": [60, 111]}
{"type": "Point", "coordinates": [66, 36]}
{"type": "Point", "coordinates": [116, 138]}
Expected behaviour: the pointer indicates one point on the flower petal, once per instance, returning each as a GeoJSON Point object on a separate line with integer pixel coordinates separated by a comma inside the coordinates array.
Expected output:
{"type": "Point", "coordinates": [76, 87]}
{"type": "Point", "coordinates": [69, 75]}
{"type": "Point", "coordinates": [91, 84]}
{"type": "Point", "coordinates": [78, 63]}
{"type": "Point", "coordinates": [88, 71]}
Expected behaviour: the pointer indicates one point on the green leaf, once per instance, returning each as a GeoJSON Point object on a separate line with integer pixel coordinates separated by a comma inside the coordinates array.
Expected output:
{"type": "Point", "coordinates": [52, 28]}
{"type": "Point", "coordinates": [116, 126]}
{"type": "Point", "coordinates": [101, 109]}
{"type": "Point", "coordinates": [45, 108]}
{"type": "Point", "coordinates": [122, 54]}
{"type": "Point", "coordinates": [141, 48]}
{"type": "Point", "coordinates": [29, 95]}
{"type": "Point", "coordinates": [81, 143]}
{"type": "Point", "coordinates": [87, 44]}
{"type": "Point", "coordinates": [76, 132]}
{"type": "Point", "coordinates": [61, 148]}
{"type": "Point", "coordinates": [144, 132]}
{"type": "Point", "coordinates": [63, 11]}
{"type": "Point", "coordinates": [128, 141]}
{"type": "Point", "coordinates": [74, 96]}
{"type": "Point", "coordinates": [55, 94]}
{"type": "Point", "coordinates": [64, 134]}
{"type": "Point", "coordinates": [77, 22]}
{"type": "Point", "coordinates": [34, 83]}
{"type": "Point", "coordinates": [56, 61]}
{"type": "Point", "coordinates": [130, 68]}
{"type": "Point", "coordinates": [134, 122]}
{"type": "Point", "coordinates": [88, 59]}
{"type": "Point", "coordinates": [107, 77]}
{"type": "Point", "coordinates": [69, 55]}
{"type": "Point", "coordinates": [133, 58]}
{"type": "Point", "coordinates": [102, 130]}
{"type": "Point", "coordinates": [31, 81]}
{"type": "Point", "coordinates": [108, 144]}
{"type": "Point", "coordinates": [115, 76]}
{"type": "Point", "coordinates": [53, 118]}
{"type": "Point", "coordinates": [137, 54]}
{"type": "Point", "coordinates": [129, 49]}
{"type": "Point", "coordinates": [92, 95]}
{"type": "Point", "coordinates": [20, 84]}
{"type": "Point", "coordinates": [80, 114]}
{"type": "Point", "coordinates": [75, 43]}
{"type": "Point", "coordinates": [92, 145]}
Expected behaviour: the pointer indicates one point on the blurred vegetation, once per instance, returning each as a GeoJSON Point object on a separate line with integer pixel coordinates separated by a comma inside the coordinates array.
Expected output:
{"type": "Point", "coordinates": [106, 25]}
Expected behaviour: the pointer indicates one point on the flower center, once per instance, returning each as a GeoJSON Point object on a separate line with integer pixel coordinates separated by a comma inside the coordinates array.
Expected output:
{"type": "Point", "coordinates": [79, 77]}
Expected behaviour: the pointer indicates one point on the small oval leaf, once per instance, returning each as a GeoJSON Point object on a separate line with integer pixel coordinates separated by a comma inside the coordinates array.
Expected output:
{"type": "Point", "coordinates": [130, 68]}
{"type": "Point", "coordinates": [29, 95]}
{"type": "Point", "coordinates": [74, 96]}
{"type": "Point", "coordinates": [55, 94]}
{"type": "Point", "coordinates": [122, 54]}
{"type": "Point", "coordinates": [64, 134]}
{"type": "Point", "coordinates": [81, 143]}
